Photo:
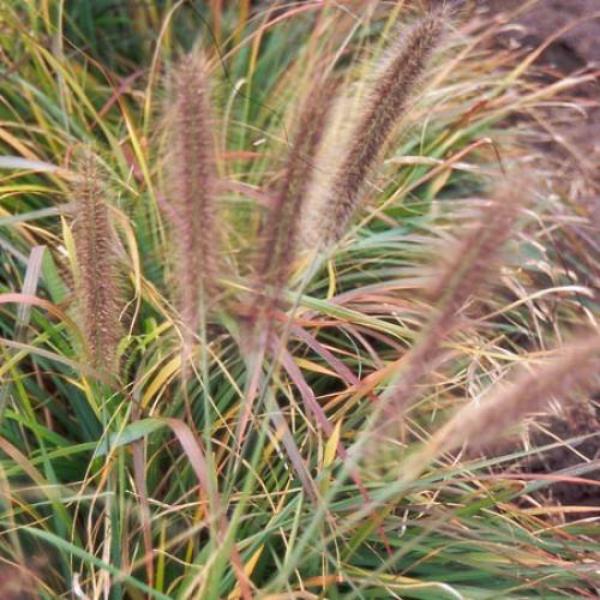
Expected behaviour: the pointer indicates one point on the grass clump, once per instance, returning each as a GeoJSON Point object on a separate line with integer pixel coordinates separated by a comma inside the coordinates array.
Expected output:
{"type": "Point", "coordinates": [222, 460]}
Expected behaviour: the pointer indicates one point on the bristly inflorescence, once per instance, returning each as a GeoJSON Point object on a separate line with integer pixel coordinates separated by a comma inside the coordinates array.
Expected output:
{"type": "Point", "coordinates": [478, 425]}
{"type": "Point", "coordinates": [280, 234]}
{"type": "Point", "coordinates": [574, 369]}
{"type": "Point", "coordinates": [190, 202]}
{"type": "Point", "coordinates": [385, 105]}
{"type": "Point", "coordinates": [96, 283]}
{"type": "Point", "coordinates": [471, 265]}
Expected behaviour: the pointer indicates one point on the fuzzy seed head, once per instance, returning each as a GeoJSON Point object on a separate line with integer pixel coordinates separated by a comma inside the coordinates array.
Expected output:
{"type": "Point", "coordinates": [575, 369]}
{"type": "Point", "coordinates": [386, 104]}
{"type": "Point", "coordinates": [472, 265]}
{"type": "Point", "coordinates": [280, 237]}
{"type": "Point", "coordinates": [96, 284]}
{"type": "Point", "coordinates": [190, 194]}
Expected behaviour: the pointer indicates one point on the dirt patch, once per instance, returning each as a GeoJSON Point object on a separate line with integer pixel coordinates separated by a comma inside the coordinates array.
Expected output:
{"type": "Point", "coordinates": [580, 423]}
{"type": "Point", "coordinates": [574, 28]}
{"type": "Point", "coordinates": [578, 43]}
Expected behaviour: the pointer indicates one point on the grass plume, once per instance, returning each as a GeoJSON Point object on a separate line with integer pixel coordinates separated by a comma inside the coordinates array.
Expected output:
{"type": "Point", "coordinates": [281, 230]}
{"type": "Point", "coordinates": [479, 424]}
{"type": "Point", "coordinates": [190, 201]}
{"type": "Point", "coordinates": [386, 104]}
{"type": "Point", "coordinates": [96, 283]}
{"type": "Point", "coordinates": [470, 266]}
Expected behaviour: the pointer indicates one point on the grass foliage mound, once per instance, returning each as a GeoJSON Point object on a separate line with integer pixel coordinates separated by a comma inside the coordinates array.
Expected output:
{"type": "Point", "coordinates": [275, 281]}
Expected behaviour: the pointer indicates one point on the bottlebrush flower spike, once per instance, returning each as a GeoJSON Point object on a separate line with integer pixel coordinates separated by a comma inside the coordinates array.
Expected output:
{"type": "Point", "coordinates": [190, 202]}
{"type": "Point", "coordinates": [478, 424]}
{"type": "Point", "coordinates": [386, 103]}
{"type": "Point", "coordinates": [97, 289]}
{"type": "Point", "coordinates": [280, 236]}
{"type": "Point", "coordinates": [471, 266]}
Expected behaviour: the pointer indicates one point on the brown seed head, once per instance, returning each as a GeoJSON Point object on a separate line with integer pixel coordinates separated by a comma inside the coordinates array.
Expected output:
{"type": "Point", "coordinates": [576, 368]}
{"type": "Point", "coordinates": [474, 261]}
{"type": "Point", "coordinates": [386, 104]}
{"type": "Point", "coordinates": [280, 234]}
{"type": "Point", "coordinates": [190, 201]}
{"type": "Point", "coordinates": [96, 283]}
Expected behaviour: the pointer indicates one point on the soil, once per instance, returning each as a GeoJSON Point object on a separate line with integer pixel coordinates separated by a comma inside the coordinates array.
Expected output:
{"type": "Point", "coordinates": [575, 47]}
{"type": "Point", "coordinates": [579, 421]}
